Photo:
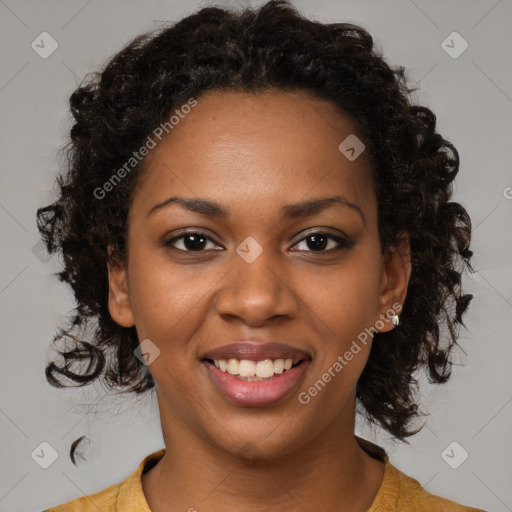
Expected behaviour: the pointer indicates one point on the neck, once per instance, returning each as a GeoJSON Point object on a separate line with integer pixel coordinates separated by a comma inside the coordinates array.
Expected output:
{"type": "Point", "coordinates": [330, 472]}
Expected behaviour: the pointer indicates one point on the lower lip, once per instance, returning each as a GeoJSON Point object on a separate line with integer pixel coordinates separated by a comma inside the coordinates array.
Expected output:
{"type": "Point", "coordinates": [256, 393]}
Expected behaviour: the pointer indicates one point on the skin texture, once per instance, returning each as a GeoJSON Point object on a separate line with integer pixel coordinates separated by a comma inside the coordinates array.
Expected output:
{"type": "Point", "coordinates": [253, 154]}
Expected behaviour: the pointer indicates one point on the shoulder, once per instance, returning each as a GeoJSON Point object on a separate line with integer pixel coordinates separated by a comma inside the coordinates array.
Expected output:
{"type": "Point", "coordinates": [405, 493]}
{"type": "Point", "coordinates": [126, 495]}
{"type": "Point", "coordinates": [399, 491]}
{"type": "Point", "coordinates": [104, 500]}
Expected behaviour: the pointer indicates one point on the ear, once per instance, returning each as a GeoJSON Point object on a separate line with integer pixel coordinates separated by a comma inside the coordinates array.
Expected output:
{"type": "Point", "coordinates": [118, 296]}
{"type": "Point", "coordinates": [395, 274]}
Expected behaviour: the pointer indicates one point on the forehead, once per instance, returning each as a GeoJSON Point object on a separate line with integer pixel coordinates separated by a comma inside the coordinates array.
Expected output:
{"type": "Point", "coordinates": [270, 146]}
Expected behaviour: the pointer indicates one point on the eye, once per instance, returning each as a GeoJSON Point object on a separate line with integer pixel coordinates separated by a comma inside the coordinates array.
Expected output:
{"type": "Point", "coordinates": [314, 242]}
{"type": "Point", "coordinates": [190, 242]}
{"type": "Point", "coordinates": [320, 241]}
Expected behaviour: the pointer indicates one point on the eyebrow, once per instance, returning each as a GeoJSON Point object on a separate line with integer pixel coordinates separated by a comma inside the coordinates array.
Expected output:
{"type": "Point", "coordinates": [290, 211]}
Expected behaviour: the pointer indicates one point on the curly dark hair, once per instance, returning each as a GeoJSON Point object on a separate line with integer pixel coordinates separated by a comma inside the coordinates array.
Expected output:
{"type": "Point", "coordinates": [273, 46]}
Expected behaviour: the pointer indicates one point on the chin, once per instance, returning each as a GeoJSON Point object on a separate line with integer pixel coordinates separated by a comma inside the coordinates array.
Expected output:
{"type": "Point", "coordinates": [256, 446]}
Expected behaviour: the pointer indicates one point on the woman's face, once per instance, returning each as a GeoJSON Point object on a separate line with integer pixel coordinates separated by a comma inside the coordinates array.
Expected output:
{"type": "Point", "coordinates": [256, 266]}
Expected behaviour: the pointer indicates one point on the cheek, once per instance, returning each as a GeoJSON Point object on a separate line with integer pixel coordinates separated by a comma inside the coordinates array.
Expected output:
{"type": "Point", "coordinates": [342, 350]}
{"type": "Point", "coordinates": [343, 306]}
{"type": "Point", "coordinates": [344, 299]}
{"type": "Point", "coordinates": [165, 299]}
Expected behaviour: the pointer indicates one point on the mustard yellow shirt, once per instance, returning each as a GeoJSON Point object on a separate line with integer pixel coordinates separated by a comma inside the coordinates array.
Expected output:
{"type": "Point", "coordinates": [397, 492]}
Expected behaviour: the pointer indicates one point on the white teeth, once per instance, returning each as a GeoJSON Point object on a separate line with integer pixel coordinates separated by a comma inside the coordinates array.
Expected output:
{"type": "Point", "coordinates": [265, 368]}
{"type": "Point", "coordinates": [246, 368]}
{"type": "Point", "coordinates": [233, 366]}
{"type": "Point", "coordinates": [279, 366]}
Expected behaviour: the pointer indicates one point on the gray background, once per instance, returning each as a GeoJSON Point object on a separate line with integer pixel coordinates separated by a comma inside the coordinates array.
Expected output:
{"type": "Point", "coordinates": [472, 98]}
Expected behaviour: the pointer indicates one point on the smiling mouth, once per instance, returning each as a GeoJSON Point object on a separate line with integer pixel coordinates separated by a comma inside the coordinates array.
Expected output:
{"type": "Point", "coordinates": [256, 383]}
{"type": "Point", "coordinates": [255, 371]}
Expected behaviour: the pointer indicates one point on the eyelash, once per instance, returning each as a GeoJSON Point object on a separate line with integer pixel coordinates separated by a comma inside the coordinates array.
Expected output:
{"type": "Point", "coordinates": [343, 243]}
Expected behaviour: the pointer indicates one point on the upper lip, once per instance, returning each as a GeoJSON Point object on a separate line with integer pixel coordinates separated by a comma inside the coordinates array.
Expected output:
{"type": "Point", "coordinates": [256, 351]}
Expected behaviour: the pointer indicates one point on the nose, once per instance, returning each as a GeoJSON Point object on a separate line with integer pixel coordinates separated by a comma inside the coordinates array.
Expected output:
{"type": "Point", "coordinates": [254, 293]}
